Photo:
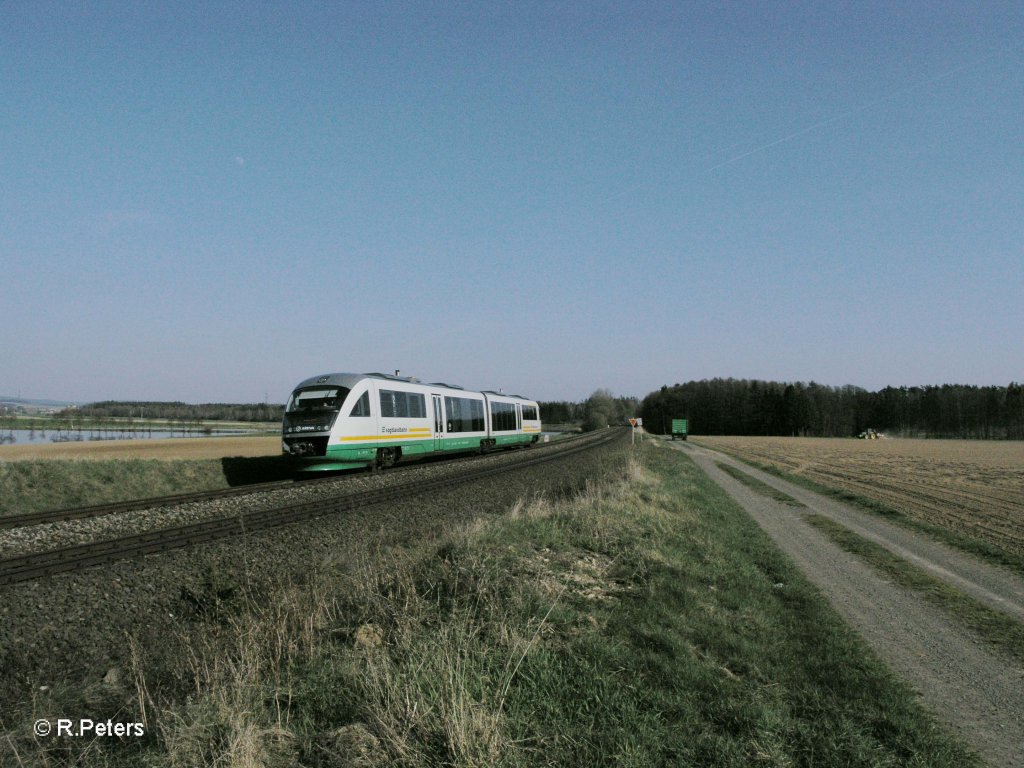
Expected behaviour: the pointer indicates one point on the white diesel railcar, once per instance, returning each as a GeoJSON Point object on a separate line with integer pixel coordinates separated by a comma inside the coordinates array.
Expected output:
{"type": "Point", "coordinates": [350, 420]}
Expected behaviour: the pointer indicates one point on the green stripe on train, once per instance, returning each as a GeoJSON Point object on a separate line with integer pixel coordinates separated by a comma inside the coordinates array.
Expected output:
{"type": "Point", "coordinates": [367, 451]}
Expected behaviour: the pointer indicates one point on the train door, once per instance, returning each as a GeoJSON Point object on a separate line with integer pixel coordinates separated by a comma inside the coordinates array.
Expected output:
{"type": "Point", "coordinates": [438, 423]}
{"type": "Point", "coordinates": [519, 417]}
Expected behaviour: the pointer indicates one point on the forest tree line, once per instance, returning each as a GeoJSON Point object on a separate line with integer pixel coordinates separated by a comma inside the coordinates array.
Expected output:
{"type": "Point", "coordinates": [177, 411]}
{"type": "Point", "coordinates": [752, 407]}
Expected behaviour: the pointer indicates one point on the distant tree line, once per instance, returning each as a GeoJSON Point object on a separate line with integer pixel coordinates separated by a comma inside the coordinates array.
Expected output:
{"type": "Point", "coordinates": [177, 411]}
{"type": "Point", "coordinates": [561, 412]}
{"type": "Point", "coordinates": [600, 410]}
{"type": "Point", "coordinates": [752, 407]}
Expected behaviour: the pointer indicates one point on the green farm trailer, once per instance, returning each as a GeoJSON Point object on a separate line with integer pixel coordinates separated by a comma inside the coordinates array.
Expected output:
{"type": "Point", "coordinates": [679, 427]}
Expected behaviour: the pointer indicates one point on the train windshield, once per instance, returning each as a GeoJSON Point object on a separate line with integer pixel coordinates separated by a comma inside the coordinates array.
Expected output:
{"type": "Point", "coordinates": [316, 399]}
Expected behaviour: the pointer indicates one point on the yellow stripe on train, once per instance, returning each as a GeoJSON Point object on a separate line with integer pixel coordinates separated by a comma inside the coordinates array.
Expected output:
{"type": "Point", "coordinates": [397, 436]}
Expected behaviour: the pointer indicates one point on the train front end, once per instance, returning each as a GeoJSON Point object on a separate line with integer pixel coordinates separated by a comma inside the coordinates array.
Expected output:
{"type": "Point", "coordinates": [309, 419]}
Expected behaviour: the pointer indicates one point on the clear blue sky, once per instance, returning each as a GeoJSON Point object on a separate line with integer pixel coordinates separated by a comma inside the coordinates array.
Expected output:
{"type": "Point", "coordinates": [212, 201]}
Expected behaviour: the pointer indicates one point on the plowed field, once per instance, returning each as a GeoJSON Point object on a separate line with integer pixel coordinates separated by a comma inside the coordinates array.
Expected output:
{"type": "Point", "coordinates": [973, 487]}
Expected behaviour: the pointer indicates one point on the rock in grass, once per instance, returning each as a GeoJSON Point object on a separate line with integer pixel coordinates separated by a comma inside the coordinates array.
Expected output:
{"type": "Point", "coordinates": [351, 746]}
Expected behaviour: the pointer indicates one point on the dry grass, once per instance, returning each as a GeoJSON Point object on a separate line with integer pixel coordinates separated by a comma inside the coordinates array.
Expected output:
{"type": "Point", "coordinates": [969, 487]}
{"type": "Point", "coordinates": [427, 644]}
{"type": "Point", "coordinates": [239, 713]}
{"type": "Point", "coordinates": [423, 670]}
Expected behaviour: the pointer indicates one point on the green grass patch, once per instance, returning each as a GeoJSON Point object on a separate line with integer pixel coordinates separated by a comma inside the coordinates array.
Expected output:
{"type": "Point", "coordinates": [645, 622]}
{"type": "Point", "coordinates": [758, 486]}
{"type": "Point", "coordinates": [983, 549]}
{"type": "Point", "coordinates": [34, 486]}
{"type": "Point", "coordinates": [992, 625]}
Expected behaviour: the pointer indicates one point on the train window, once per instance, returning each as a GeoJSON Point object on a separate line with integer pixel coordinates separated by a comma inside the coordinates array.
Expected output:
{"type": "Point", "coordinates": [319, 399]}
{"type": "Point", "coordinates": [477, 415]}
{"type": "Point", "coordinates": [388, 406]}
{"type": "Point", "coordinates": [361, 406]}
{"type": "Point", "coordinates": [529, 413]}
{"type": "Point", "coordinates": [402, 405]}
{"type": "Point", "coordinates": [503, 417]}
{"type": "Point", "coordinates": [417, 405]}
{"type": "Point", "coordinates": [464, 414]}
{"type": "Point", "coordinates": [453, 408]}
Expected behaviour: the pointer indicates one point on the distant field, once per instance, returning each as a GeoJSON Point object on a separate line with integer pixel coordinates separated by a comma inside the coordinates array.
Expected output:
{"type": "Point", "coordinates": [170, 449]}
{"type": "Point", "coordinates": [971, 487]}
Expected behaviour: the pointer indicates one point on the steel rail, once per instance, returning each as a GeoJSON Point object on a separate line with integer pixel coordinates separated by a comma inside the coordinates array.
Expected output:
{"type": "Point", "coordinates": [75, 557]}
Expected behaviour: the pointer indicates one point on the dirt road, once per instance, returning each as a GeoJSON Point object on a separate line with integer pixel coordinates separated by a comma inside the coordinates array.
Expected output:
{"type": "Point", "coordinates": [977, 692]}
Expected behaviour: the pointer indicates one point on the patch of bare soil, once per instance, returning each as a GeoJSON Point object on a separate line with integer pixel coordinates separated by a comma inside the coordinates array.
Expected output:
{"type": "Point", "coordinates": [169, 449]}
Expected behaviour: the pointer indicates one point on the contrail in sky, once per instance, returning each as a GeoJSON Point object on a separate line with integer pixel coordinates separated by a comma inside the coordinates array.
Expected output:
{"type": "Point", "coordinates": [827, 121]}
{"type": "Point", "coordinates": [856, 110]}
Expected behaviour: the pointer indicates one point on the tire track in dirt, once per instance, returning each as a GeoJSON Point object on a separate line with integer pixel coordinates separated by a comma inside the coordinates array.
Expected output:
{"type": "Point", "coordinates": [977, 692]}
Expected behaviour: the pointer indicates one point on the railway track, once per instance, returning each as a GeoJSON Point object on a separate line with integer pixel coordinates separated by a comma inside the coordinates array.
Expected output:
{"type": "Point", "coordinates": [99, 510]}
{"type": "Point", "coordinates": [72, 558]}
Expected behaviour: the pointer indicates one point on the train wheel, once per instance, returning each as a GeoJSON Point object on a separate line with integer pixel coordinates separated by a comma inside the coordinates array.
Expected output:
{"type": "Point", "coordinates": [386, 457]}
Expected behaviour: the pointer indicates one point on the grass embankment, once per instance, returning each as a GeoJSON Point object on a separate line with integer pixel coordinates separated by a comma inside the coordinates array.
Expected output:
{"type": "Point", "coordinates": [983, 549]}
{"type": "Point", "coordinates": [990, 624]}
{"type": "Point", "coordinates": [37, 485]}
{"type": "Point", "coordinates": [647, 622]}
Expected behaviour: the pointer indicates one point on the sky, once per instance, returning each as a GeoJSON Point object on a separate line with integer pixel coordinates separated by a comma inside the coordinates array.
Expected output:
{"type": "Point", "coordinates": [210, 202]}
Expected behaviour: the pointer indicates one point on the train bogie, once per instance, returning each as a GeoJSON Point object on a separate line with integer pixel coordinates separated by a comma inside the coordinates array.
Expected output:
{"type": "Point", "coordinates": [347, 421]}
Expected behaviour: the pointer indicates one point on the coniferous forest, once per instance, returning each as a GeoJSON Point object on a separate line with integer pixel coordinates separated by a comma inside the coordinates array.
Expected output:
{"type": "Point", "coordinates": [752, 407]}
